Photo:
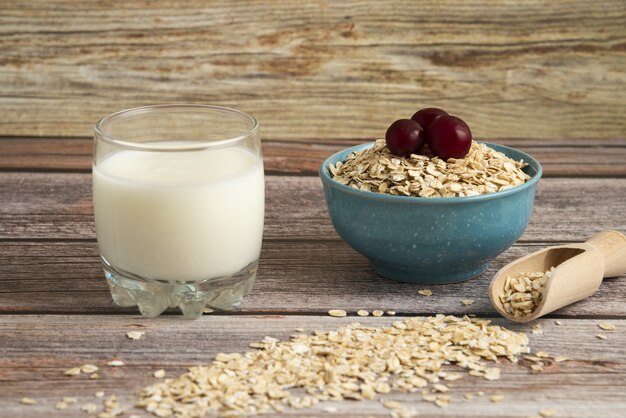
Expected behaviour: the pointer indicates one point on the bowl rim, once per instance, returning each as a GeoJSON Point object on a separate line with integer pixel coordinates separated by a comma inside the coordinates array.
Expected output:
{"type": "Point", "coordinates": [324, 174]}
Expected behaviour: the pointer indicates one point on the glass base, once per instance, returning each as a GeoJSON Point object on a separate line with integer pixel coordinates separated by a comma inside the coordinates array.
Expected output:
{"type": "Point", "coordinates": [152, 297]}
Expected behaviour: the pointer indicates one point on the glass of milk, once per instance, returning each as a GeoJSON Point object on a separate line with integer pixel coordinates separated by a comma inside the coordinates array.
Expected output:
{"type": "Point", "coordinates": [179, 198]}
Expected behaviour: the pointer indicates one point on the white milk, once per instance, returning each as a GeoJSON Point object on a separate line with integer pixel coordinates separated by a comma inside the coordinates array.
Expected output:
{"type": "Point", "coordinates": [180, 216]}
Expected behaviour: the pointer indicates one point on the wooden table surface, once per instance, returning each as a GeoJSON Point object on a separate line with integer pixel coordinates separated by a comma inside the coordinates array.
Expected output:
{"type": "Point", "coordinates": [56, 311]}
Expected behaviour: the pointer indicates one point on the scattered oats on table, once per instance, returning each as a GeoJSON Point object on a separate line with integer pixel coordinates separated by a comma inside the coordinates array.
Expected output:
{"type": "Point", "coordinates": [377, 313]}
{"type": "Point", "coordinates": [381, 361]}
{"type": "Point", "coordinates": [159, 374]}
{"type": "Point", "coordinates": [524, 292]}
{"type": "Point", "coordinates": [601, 336]}
{"type": "Point", "coordinates": [537, 329]}
{"type": "Point", "coordinates": [28, 401]}
{"type": "Point", "coordinates": [482, 171]}
{"type": "Point", "coordinates": [391, 313]}
{"type": "Point", "coordinates": [115, 363]}
{"type": "Point", "coordinates": [547, 412]}
{"type": "Point", "coordinates": [135, 335]}
{"type": "Point", "coordinates": [425, 292]}
{"type": "Point", "coordinates": [467, 302]}
{"type": "Point", "coordinates": [362, 312]}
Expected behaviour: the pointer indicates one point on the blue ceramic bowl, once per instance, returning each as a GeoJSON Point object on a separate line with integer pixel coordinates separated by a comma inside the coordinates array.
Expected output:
{"type": "Point", "coordinates": [430, 240]}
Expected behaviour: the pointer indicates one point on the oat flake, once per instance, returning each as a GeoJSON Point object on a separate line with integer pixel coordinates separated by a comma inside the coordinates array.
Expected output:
{"type": "Point", "coordinates": [90, 408]}
{"type": "Point", "coordinates": [496, 398]}
{"type": "Point", "coordinates": [60, 405]}
{"type": "Point", "coordinates": [74, 371]}
{"type": "Point", "coordinates": [135, 335]}
{"type": "Point", "coordinates": [337, 313]}
{"type": "Point", "coordinates": [89, 368]}
{"type": "Point", "coordinates": [606, 326]}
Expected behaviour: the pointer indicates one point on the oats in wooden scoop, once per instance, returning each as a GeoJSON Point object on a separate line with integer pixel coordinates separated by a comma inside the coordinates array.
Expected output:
{"type": "Point", "coordinates": [523, 293]}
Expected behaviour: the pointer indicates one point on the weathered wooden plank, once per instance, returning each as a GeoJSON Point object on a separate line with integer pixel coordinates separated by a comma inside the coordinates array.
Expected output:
{"type": "Point", "coordinates": [559, 158]}
{"type": "Point", "coordinates": [37, 349]}
{"type": "Point", "coordinates": [511, 69]}
{"type": "Point", "coordinates": [58, 206]}
{"type": "Point", "coordinates": [305, 277]}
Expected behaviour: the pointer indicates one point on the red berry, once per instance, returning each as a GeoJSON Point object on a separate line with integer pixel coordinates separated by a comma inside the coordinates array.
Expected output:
{"type": "Point", "coordinates": [449, 137]}
{"type": "Point", "coordinates": [405, 137]}
{"type": "Point", "coordinates": [426, 116]}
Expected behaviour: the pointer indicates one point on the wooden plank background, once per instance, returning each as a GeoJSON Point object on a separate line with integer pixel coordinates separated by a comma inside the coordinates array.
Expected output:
{"type": "Point", "coordinates": [548, 77]}
{"type": "Point", "coordinates": [320, 70]}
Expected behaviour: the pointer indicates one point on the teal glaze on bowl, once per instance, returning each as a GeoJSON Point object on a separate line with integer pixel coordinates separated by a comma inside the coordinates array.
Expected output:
{"type": "Point", "coordinates": [430, 240]}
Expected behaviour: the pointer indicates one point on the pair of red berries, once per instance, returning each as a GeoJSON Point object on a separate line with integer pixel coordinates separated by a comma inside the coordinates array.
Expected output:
{"type": "Point", "coordinates": [447, 136]}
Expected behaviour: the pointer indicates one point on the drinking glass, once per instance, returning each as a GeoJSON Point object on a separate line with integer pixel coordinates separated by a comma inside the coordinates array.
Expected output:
{"type": "Point", "coordinates": [179, 197]}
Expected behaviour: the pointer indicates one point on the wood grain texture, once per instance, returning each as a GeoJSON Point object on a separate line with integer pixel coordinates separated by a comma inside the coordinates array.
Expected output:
{"type": "Point", "coordinates": [294, 277]}
{"type": "Point", "coordinates": [558, 157]}
{"type": "Point", "coordinates": [58, 206]}
{"type": "Point", "coordinates": [319, 70]}
{"type": "Point", "coordinates": [37, 349]}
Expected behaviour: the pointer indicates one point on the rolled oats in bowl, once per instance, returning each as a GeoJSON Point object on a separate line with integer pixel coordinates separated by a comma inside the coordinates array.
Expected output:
{"type": "Point", "coordinates": [428, 219]}
{"type": "Point", "coordinates": [482, 171]}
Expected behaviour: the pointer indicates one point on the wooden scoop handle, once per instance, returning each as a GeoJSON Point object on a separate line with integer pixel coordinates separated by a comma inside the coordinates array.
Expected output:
{"type": "Point", "coordinates": [612, 244]}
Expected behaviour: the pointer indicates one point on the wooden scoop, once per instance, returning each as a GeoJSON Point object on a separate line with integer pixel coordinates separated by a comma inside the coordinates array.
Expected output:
{"type": "Point", "coordinates": [579, 270]}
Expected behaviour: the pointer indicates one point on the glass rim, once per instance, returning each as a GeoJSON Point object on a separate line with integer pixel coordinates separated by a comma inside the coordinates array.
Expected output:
{"type": "Point", "coordinates": [201, 145]}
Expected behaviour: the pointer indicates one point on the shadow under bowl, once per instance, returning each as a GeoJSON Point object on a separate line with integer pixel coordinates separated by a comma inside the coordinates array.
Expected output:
{"type": "Point", "coordinates": [430, 240]}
